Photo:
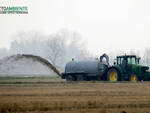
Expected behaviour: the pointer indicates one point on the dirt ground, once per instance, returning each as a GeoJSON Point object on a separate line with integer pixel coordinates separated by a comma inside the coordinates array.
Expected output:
{"type": "Point", "coordinates": [75, 98]}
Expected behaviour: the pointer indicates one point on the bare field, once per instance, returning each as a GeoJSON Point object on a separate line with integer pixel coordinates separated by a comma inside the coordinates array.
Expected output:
{"type": "Point", "coordinates": [29, 79]}
{"type": "Point", "coordinates": [75, 98]}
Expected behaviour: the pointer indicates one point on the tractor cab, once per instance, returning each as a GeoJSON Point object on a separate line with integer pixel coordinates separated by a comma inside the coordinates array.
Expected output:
{"type": "Point", "coordinates": [127, 59]}
{"type": "Point", "coordinates": [128, 64]}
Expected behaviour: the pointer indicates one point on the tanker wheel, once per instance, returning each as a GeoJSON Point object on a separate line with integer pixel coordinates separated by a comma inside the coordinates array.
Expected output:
{"type": "Point", "coordinates": [112, 75]}
{"type": "Point", "coordinates": [81, 78]}
{"type": "Point", "coordinates": [99, 78]}
{"type": "Point", "coordinates": [133, 78]}
{"type": "Point", "coordinates": [70, 78]}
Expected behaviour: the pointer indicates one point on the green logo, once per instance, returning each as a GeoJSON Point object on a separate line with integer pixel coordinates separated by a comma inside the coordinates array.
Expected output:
{"type": "Point", "coordinates": [14, 10]}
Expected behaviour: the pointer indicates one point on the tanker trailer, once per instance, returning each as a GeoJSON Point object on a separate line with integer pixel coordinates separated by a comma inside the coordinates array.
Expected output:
{"type": "Point", "coordinates": [86, 70]}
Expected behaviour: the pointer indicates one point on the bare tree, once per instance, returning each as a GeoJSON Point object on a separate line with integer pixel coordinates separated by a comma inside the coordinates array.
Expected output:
{"type": "Point", "coordinates": [146, 56]}
{"type": "Point", "coordinates": [3, 52]}
{"type": "Point", "coordinates": [28, 43]}
{"type": "Point", "coordinates": [65, 45]}
{"type": "Point", "coordinates": [55, 50]}
{"type": "Point", "coordinates": [59, 48]}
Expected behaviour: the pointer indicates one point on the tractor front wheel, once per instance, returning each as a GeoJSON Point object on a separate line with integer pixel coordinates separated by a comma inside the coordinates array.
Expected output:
{"type": "Point", "coordinates": [133, 78]}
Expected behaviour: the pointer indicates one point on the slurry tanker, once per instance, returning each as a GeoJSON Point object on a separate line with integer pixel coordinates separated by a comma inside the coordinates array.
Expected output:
{"type": "Point", "coordinates": [126, 68]}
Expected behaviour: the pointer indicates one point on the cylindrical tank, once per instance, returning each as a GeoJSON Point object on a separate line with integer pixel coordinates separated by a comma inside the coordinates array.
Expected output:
{"type": "Point", "coordinates": [90, 67]}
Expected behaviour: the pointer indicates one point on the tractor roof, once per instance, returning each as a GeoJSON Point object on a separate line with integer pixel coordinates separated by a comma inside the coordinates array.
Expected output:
{"type": "Point", "coordinates": [126, 56]}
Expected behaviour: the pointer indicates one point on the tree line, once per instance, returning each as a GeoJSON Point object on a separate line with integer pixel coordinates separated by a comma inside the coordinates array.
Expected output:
{"type": "Point", "coordinates": [59, 48]}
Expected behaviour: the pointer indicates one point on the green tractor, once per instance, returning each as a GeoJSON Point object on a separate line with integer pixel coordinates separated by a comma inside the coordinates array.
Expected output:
{"type": "Point", "coordinates": [127, 68]}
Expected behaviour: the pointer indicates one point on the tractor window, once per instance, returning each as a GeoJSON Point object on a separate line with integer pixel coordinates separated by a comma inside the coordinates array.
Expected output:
{"type": "Point", "coordinates": [120, 60]}
{"type": "Point", "coordinates": [131, 60]}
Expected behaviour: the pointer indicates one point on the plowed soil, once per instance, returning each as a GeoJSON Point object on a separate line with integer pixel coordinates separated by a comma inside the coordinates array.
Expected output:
{"type": "Point", "coordinates": [75, 98]}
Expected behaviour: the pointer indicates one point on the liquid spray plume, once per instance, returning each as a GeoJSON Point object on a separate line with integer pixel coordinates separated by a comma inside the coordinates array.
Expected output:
{"type": "Point", "coordinates": [34, 58]}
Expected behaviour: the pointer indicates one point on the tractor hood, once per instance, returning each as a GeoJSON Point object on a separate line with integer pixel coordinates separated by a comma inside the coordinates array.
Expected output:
{"type": "Point", "coordinates": [138, 68]}
{"type": "Point", "coordinates": [143, 68]}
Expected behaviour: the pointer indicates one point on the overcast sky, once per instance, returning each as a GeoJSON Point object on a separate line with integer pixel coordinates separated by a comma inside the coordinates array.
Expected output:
{"type": "Point", "coordinates": [106, 25]}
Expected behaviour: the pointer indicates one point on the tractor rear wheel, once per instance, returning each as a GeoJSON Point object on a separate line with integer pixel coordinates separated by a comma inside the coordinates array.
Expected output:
{"type": "Point", "coordinates": [133, 78]}
{"type": "Point", "coordinates": [70, 78]}
{"type": "Point", "coordinates": [112, 75]}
